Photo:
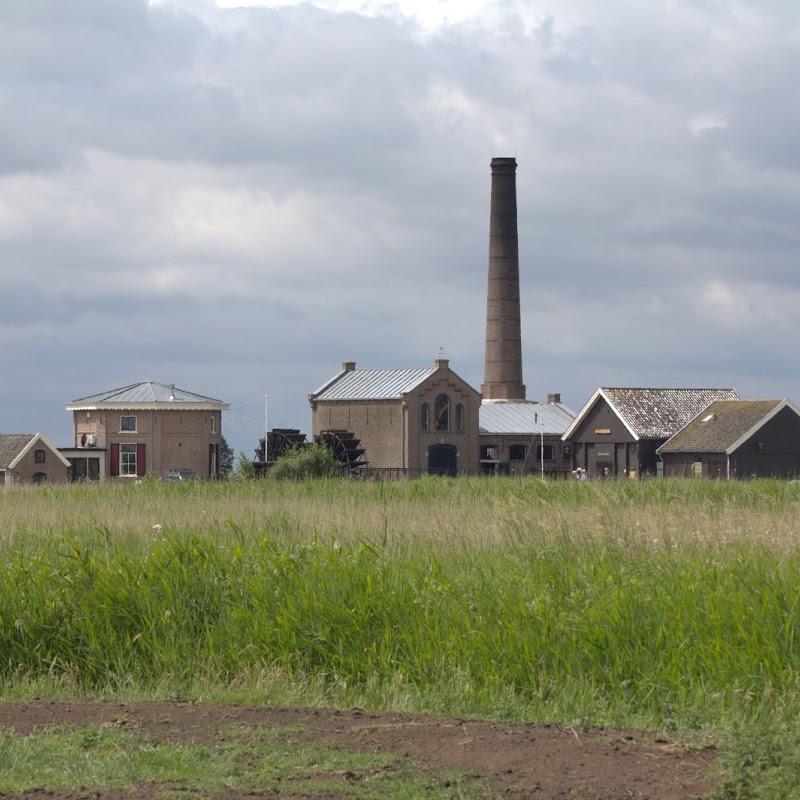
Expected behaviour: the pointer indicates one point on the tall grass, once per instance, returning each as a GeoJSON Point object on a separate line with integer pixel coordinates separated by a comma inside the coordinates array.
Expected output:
{"type": "Point", "coordinates": [663, 603]}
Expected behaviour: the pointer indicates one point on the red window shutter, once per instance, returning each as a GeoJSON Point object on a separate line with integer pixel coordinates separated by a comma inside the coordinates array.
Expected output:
{"type": "Point", "coordinates": [114, 460]}
{"type": "Point", "coordinates": [210, 459]}
{"type": "Point", "coordinates": [140, 465]}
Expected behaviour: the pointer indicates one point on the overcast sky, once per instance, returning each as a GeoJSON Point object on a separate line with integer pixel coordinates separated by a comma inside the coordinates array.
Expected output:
{"type": "Point", "coordinates": [236, 199]}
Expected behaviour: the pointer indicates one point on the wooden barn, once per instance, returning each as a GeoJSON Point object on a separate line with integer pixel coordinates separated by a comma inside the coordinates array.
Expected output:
{"type": "Point", "coordinates": [737, 439]}
{"type": "Point", "coordinates": [620, 429]}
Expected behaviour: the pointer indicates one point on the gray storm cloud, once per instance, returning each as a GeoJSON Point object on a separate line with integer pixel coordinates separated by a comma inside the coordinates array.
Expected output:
{"type": "Point", "coordinates": [237, 199]}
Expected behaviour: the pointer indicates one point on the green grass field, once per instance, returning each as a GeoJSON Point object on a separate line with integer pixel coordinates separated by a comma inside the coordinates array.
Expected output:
{"type": "Point", "coordinates": [663, 604]}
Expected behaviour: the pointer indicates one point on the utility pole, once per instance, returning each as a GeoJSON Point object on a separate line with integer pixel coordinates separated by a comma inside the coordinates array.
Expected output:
{"type": "Point", "coordinates": [266, 424]}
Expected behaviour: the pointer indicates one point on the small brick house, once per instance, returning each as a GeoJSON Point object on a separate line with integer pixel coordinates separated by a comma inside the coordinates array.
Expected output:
{"type": "Point", "coordinates": [29, 458]}
{"type": "Point", "coordinates": [523, 437]}
{"type": "Point", "coordinates": [620, 429]}
{"type": "Point", "coordinates": [408, 421]}
{"type": "Point", "coordinates": [149, 428]}
{"type": "Point", "coordinates": [737, 439]}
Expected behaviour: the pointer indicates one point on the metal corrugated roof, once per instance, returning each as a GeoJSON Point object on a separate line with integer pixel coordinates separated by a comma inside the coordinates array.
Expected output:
{"type": "Point", "coordinates": [147, 392]}
{"type": "Point", "coordinates": [523, 417]}
{"type": "Point", "coordinates": [720, 426]}
{"type": "Point", "coordinates": [372, 384]}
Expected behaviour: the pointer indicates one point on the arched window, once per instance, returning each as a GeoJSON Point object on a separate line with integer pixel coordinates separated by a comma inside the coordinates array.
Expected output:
{"type": "Point", "coordinates": [38, 456]}
{"type": "Point", "coordinates": [442, 412]}
{"type": "Point", "coordinates": [39, 477]}
{"type": "Point", "coordinates": [460, 418]}
{"type": "Point", "coordinates": [426, 417]}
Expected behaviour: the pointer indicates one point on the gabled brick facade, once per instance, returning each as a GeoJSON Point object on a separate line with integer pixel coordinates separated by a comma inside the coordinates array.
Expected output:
{"type": "Point", "coordinates": [29, 458]}
{"type": "Point", "coordinates": [425, 421]}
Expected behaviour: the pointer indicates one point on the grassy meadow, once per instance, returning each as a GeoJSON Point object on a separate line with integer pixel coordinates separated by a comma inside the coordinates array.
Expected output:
{"type": "Point", "coordinates": [666, 604]}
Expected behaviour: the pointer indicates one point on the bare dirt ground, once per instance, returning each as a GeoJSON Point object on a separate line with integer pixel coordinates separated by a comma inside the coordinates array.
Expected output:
{"type": "Point", "coordinates": [514, 760]}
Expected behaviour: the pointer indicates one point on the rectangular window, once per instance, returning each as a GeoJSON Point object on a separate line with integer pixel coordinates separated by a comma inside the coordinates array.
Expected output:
{"type": "Point", "coordinates": [549, 452]}
{"type": "Point", "coordinates": [488, 452]}
{"type": "Point", "coordinates": [213, 424]}
{"type": "Point", "coordinates": [77, 470]}
{"type": "Point", "coordinates": [518, 452]}
{"type": "Point", "coordinates": [38, 457]}
{"type": "Point", "coordinates": [127, 459]}
{"type": "Point", "coordinates": [127, 424]}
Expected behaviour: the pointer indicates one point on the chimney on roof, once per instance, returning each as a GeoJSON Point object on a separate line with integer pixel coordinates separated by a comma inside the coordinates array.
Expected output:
{"type": "Point", "coordinates": [554, 397]}
{"type": "Point", "coordinates": [442, 363]}
{"type": "Point", "coordinates": [348, 366]}
{"type": "Point", "coordinates": [172, 391]}
{"type": "Point", "coordinates": [502, 376]}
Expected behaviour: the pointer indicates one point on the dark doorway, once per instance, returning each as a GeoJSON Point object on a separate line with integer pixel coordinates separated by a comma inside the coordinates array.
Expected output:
{"type": "Point", "coordinates": [605, 469]}
{"type": "Point", "coordinates": [442, 460]}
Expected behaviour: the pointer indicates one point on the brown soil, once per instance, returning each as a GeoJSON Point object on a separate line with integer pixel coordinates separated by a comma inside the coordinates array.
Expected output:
{"type": "Point", "coordinates": [543, 762]}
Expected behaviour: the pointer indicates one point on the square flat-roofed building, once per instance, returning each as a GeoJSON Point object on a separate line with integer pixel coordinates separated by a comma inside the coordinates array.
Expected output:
{"type": "Point", "coordinates": [737, 439]}
{"type": "Point", "coordinates": [149, 428]}
{"type": "Point", "coordinates": [29, 458]}
{"type": "Point", "coordinates": [619, 429]}
{"type": "Point", "coordinates": [408, 421]}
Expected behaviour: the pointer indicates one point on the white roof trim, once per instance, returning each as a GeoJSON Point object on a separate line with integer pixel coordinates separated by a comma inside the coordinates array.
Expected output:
{"type": "Point", "coordinates": [760, 424]}
{"type": "Point", "coordinates": [325, 385]}
{"type": "Point", "coordinates": [37, 437]}
{"type": "Point", "coordinates": [599, 393]}
{"type": "Point", "coordinates": [150, 405]}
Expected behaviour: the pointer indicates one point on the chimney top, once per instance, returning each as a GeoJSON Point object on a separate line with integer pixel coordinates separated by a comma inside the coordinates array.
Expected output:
{"type": "Point", "coordinates": [508, 165]}
{"type": "Point", "coordinates": [348, 366]}
{"type": "Point", "coordinates": [442, 363]}
{"type": "Point", "coordinates": [554, 397]}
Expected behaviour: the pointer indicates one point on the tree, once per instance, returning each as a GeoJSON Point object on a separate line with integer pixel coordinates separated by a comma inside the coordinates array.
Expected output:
{"type": "Point", "coordinates": [306, 461]}
{"type": "Point", "coordinates": [225, 457]}
{"type": "Point", "coordinates": [244, 466]}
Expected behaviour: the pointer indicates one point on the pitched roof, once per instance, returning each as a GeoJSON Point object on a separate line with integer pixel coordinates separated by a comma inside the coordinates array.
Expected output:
{"type": "Point", "coordinates": [654, 413]}
{"type": "Point", "coordinates": [523, 417]}
{"type": "Point", "coordinates": [144, 393]}
{"type": "Point", "coordinates": [13, 446]}
{"type": "Point", "coordinates": [371, 384]}
{"type": "Point", "coordinates": [723, 426]}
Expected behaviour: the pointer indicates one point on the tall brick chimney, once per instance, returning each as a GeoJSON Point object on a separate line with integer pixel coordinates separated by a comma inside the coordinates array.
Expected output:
{"type": "Point", "coordinates": [502, 375]}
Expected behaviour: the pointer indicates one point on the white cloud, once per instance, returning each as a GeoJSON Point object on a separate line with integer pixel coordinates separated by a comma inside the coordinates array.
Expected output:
{"type": "Point", "coordinates": [706, 123]}
{"type": "Point", "coordinates": [749, 306]}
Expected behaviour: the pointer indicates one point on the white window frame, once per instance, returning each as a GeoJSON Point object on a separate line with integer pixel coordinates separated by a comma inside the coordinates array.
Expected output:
{"type": "Point", "coordinates": [127, 460]}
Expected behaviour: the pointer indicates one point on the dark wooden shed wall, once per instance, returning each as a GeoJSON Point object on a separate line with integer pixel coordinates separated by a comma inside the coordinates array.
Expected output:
{"type": "Point", "coordinates": [773, 451]}
{"type": "Point", "coordinates": [627, 456]}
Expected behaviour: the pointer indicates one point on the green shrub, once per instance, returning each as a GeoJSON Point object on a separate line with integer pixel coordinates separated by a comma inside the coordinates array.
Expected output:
{"type": "Point", "coordinates": [306, 461]}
